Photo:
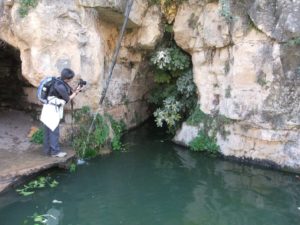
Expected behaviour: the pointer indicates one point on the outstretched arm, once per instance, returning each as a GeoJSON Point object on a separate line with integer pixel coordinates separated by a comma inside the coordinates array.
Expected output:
{"type": "Point", "coordinates": [78, 89]}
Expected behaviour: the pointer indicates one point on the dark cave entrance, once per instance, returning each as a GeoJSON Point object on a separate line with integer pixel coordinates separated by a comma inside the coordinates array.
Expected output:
{"type": "Point", "coordinates": [12, 82]}
{"type": "Point", "coordinates": [16, 117]}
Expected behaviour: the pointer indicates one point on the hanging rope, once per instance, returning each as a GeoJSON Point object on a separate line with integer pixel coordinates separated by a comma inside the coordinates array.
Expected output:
{"type": "Point", "coordinates": [118, 46]}
{"type": "Point", "coordinates": [117, 49]}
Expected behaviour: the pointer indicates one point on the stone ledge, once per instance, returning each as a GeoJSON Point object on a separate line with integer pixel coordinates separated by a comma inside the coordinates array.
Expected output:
{"type": "Point", "coordinates": [15, 166]}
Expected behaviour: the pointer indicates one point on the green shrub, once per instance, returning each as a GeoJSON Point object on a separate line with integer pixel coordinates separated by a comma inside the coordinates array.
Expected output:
{"type": "Point", "coordinates": [185, 84]}
{"type": "Point", "coordinates": [169, 113]}
{"type": "Point", "coordinates": [161, 76]}
{"type": "Point", "coordinates": [186, 93]}
{"type": "Point", "coordinates": [118, 129]}
{"type": "Point", "coordinates": [211, 125]}
{"type": "Point", "coordinates": [72, 168]}
{"type": "Point", "coordinates": [174, 102]}
{"type": "Point", "coordinates": [161, 92]}
{"type": "Point", "coordinates": [197, 117]}
{"type": "Point", "coordinates": [170, 59]}
{"type": "Point", "coordinates": [203, 142]}
{"type": "Point", "coordinates": [38, 136]}
{"type": "Point", "coordinates": [175, 93]}
{"type": "Point", "coordinates": [93, 133]}
{"type": "Point", "coordinates": [26, 5]}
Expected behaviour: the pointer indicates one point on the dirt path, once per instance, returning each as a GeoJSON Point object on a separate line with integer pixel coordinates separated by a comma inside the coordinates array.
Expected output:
{"type": "Point", "coordinates": [14, 129]}
{"type": "Point", "coordinates": [18, 156]}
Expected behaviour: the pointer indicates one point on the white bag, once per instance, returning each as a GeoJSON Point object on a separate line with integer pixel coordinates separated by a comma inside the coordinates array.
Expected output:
{"type": "Point", "coordinates": [52, 112]}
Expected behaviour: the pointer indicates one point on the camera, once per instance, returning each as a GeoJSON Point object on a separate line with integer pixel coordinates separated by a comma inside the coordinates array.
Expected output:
{"type": "Point", "coordinates": [81, 83]}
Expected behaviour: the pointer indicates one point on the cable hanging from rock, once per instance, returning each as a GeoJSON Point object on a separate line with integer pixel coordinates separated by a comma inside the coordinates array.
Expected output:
{"type": "Point", "coordinates": [114, 60]}
{"type": "Point", "coordinates": [117, 49]}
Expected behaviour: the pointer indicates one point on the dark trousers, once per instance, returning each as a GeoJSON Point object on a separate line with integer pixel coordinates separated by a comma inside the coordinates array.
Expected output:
{"type": "Point", "coordinates": [51, 141]}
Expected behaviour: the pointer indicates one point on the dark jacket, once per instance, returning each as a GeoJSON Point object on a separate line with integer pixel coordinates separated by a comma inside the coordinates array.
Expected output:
{"type": "Point", "coordinates": [61, 90]}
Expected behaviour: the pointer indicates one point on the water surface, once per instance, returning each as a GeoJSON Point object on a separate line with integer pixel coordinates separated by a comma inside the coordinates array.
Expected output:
{"type": "Point", "coordinates": [157, 183]}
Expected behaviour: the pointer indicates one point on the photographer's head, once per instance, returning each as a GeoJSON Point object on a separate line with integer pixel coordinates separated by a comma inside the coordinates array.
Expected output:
{"type": "Point", "coordinates": [67, 74]}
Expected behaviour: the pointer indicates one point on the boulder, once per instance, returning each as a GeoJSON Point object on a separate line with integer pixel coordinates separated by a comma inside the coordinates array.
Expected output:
{"type": "Point", "coordinates": [247, 68]}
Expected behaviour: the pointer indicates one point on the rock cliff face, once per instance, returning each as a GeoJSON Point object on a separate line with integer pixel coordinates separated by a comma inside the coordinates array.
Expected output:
{"type": "Point", "coordinates": [82, 35]}
{"type": "Point", "coordinates": [247, 67]}
{"type": "Point", "coordinates": [245, 53]}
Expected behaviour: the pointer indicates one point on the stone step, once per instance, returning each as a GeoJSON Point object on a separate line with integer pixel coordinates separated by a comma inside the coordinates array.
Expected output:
{"type": "Point", "coordinates": [17, 166]}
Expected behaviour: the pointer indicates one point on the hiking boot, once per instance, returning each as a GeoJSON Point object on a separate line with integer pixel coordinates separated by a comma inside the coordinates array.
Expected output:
{"type": "Point", "coordinates": [60, 154]}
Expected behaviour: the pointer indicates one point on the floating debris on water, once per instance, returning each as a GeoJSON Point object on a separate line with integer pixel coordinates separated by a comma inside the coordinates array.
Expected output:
{"type": "Point", "coordinates": [81, 162]}
{"type": "Point", "coordinates": [57, 201]}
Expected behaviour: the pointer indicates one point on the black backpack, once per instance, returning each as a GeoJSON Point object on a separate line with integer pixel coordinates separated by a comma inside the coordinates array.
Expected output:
{"type": "Point", "coordinates": [44, 88]}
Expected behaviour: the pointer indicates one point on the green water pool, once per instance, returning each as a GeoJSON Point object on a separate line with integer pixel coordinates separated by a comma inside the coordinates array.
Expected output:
{"type": "Point", "coordinates": [155, 182]}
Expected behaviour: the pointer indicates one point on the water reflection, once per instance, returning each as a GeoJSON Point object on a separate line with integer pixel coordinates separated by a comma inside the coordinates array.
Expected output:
{"type": "Point", "coordinates": [156, 182]}
{"type": "Point", "coordinates": [53, 216]}
{"type": "Point", "coordinates": [237, 194]}
{"type": "Point", "coordinates": [185, 157]}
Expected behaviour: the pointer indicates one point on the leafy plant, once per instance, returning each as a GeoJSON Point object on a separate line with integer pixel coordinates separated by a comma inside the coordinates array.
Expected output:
{"type": "Point", "coordinates": [175, 93]}
{"type": "Point", "coordinates": [197, 117]}
{"type": "Point", "coordinates": [38, 136]}
{"type": "Point", "coordinates": [39, 183]}
{"type": "Point", "coordinates": [93, 133]}
{"type": "Point", "coordinates": [170, 113]}
{"type": "Point", "coordinates": [211, 125]}
{"type": "Point", "coordinates": [26, 5]}
{"type": "Point", "coordinates": [162, 77]}
{"type": "Point", "coordinates": [170, 59]}
{"type": "Point", "coordinates": [174, 102]}
{"type": "Point", "coordinates": [161, 59]}
{"type": "Point", "coordinates": [185, 84]}
{"type": "Point", "coordinates": [161, 92]}
{"type": "Point", "coordinates": [203, 142]}
{"type": "Point", "coordinates": [72, 168]}
{"type": "Point", "coordinates": [39, 219]}
{"type": "Point", "coordinates": [118, 129]}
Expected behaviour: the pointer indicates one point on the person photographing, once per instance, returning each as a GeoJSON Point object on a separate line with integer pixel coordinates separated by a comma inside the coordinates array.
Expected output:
{"type": "Point", "coordinates": [58, 95]}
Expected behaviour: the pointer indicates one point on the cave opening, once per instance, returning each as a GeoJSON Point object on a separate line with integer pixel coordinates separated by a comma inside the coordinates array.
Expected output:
{"type": "Point", "coordinates": [12, 83]}
{"type": "Point", "coordinates": [16, 117]}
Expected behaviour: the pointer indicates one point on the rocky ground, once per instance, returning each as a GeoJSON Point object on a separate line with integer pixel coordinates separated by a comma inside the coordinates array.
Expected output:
{"type": "Point", "coordinates": [19, 157]}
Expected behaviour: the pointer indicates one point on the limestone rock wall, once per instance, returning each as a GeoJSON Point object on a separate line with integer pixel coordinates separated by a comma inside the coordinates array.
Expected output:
{"type": "Point", "coordinates": [245, 53]}
{"type": "Point", "coordinates": [247, 67]}
{"type": "Point", "coordinates": [82, 35]}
